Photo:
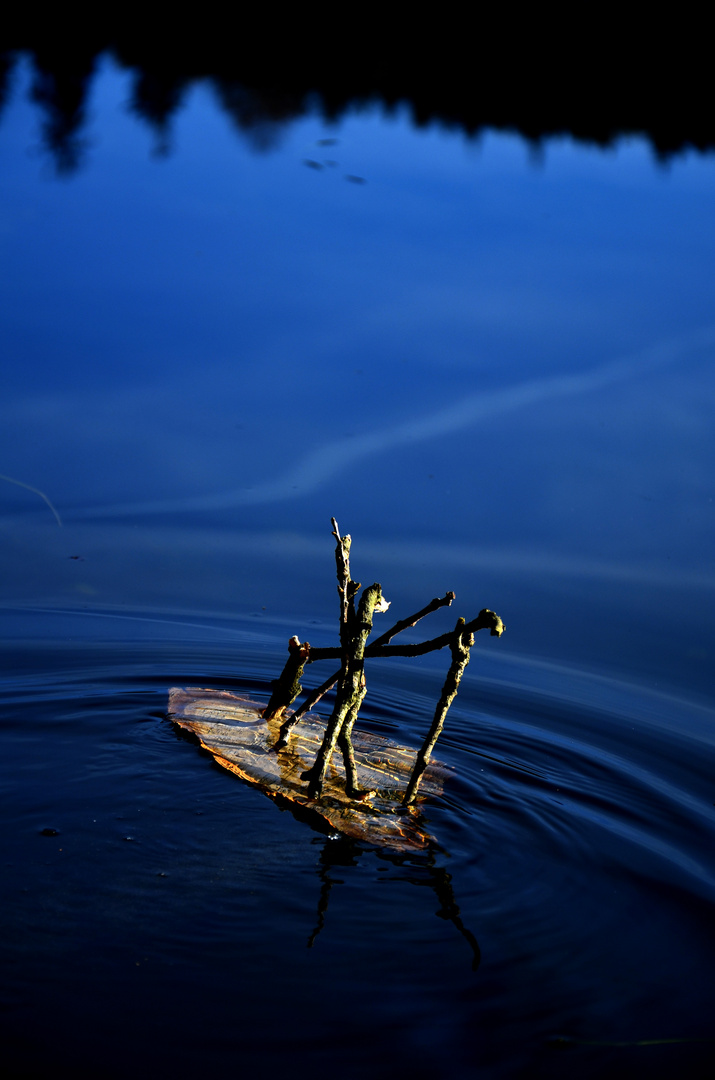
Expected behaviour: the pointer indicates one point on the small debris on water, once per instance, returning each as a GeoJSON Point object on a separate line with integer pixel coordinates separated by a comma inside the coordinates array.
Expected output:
{"type": "Point", "coordinates": [49, 832]}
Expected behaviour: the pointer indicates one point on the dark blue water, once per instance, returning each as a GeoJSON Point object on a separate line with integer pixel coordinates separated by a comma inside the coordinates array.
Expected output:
{"type": "Point", "coordinates": [498, 377]}
{"type": "Point", "coordinates": [180, 919]}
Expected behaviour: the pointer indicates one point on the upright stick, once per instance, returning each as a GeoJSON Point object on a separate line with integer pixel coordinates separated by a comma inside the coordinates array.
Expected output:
{"type": "Point", "coordinates": [287, 686]}
{"type": "Point", "coordinates": [351, 688]}
{"type": "Point", "coordinates": [459, 647]}
{"type": "Point", "coordinates": [347, 589]}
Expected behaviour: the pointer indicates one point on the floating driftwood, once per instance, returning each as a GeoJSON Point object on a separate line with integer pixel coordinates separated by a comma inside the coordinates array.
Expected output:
{"type": "Point", "coordinates": [370, 794]}
{"type": "Point", "coordinates": [233, 729]}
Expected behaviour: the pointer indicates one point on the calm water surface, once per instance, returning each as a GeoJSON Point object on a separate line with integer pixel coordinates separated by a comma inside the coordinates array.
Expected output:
{"type": "Point", "coordinates": [497, 374]}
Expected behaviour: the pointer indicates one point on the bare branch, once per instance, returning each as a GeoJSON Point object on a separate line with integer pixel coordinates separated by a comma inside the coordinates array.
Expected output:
{"type": "Point", "coordinates": [462, 641]}
{"type": "Point", "coordinates": [412, 620]}
{"type": "Point", "coordinates": [314, 697]}
{"type": "Point", "coordinates": [287, 686]}
{"type": "Point", "coordinates": [351, 686]}
{"type": "Point", "coordinates": [485, 620]}
{"type": "Point", "coordinates": [346, 593]}
{"type": "Point", "coordinates": [310, 701]}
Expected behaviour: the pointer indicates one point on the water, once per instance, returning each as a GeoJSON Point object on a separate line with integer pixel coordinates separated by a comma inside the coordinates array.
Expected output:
{"type": "Point", "coordinates": [181, 919]}
{"type": "Point", "coordinates": [498, 377]}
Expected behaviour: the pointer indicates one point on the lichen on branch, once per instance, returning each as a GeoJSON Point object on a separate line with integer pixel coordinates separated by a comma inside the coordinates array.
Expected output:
{"type": "Point", "coordinates": [286, 687]}
{"type": "Point", "coordinates": [350, 689]}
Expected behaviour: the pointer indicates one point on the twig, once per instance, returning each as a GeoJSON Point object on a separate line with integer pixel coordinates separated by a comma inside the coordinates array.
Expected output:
{"type": "Point", "coordinates": [345, 743]}
{"type": "Point", "coordinates": [316, 695]}
{"type": "Point", "coordinates": [347, 589]}
{"type": "Point", "coordinates": [311, 700]}
{"type": "Point", "coordinates": [412, 620]}
{"type": "Point", "coordinates": [350, 685]}
{"type": "Point", "coordinates": [287, 686]}
{"type": "Point", "coordinates": [462, 642]}
{"type": "Point", "coordinates": [485, 620]}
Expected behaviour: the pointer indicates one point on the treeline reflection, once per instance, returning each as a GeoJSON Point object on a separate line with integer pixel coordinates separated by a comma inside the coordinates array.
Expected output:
{"type": "Point", "coordinates": [593, 83]}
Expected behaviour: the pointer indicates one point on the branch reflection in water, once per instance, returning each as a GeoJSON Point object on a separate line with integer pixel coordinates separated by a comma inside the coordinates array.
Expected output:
{"type": "Point", "coordinates": [421, 870]}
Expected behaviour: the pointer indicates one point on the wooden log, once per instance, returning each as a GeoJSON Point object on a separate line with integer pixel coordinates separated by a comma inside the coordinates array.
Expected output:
{"type": "Point", "coordinates": [233, 729]}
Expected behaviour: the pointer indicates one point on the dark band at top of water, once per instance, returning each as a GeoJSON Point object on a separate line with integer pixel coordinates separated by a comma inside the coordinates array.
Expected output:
{"type": "Point", "coordinates": [538, 76]}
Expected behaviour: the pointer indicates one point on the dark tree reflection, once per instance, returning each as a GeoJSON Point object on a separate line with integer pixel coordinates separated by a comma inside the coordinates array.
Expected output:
{"type": "Point", "coordinates": [260, 116]}
{"type": "Point", "coordinates": [7, 63]}
{"type": "Point", "coordinates": [527, 72]}
{"type": "Point", "coordinates": [61, 89]}
{"type": "Point", "coordinates": [157, 97]}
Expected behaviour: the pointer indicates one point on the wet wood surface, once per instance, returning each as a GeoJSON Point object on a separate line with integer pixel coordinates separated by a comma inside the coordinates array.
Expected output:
{"type": "Point", "coordinates": [232, 729]}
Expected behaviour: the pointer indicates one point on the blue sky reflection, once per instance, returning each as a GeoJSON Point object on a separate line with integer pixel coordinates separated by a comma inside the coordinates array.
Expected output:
{"type": "Point", "coordinates": [466, 358]}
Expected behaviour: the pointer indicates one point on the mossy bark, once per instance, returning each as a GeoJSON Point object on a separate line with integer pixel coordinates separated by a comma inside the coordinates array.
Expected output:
{"type": "Point", "coordinates": [485, 620]}
{"type": "Point", "coordinates": [350, 690]}
{"type": "Point", "coordinates": [460, 645]}
{"type": "Point", "coordinates": [315, 695]}
{"type": "Point", "coordinates": [286, 687]}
